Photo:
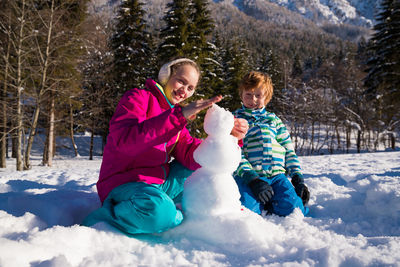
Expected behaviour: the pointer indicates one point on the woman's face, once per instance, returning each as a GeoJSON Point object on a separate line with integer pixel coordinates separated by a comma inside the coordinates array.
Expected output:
{"type": "Point", "coordinates": [181, 85]}
{"type": "Point", "coordinates": [253, 99]}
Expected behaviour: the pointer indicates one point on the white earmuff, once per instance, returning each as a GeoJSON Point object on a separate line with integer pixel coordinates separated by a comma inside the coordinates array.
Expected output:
{"type": "Point", "coordinates": [165, 71]}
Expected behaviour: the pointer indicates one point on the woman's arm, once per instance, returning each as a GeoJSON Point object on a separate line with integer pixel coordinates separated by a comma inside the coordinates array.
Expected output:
{"type": "Point", "coordinates": [132, 131]}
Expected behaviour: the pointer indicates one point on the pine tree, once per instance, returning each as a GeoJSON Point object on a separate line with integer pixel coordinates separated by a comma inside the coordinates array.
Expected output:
{"type": "Point", "coordinates": [297, 69]}
{"type": "Point", "coordinates": [130, 44]}
{"type": "Point", "coordinates": [201, 27]}
{"type": "Point", "coordinates": [383, 78]}
{"type": "Point", "coordinates": [203, 51]}
{"type": "Point", "coordinates": [237, 64]}
{"type": "Point", "coordinates": [175, 35]}
{"type": "Point", "coordinates": [271, 66]}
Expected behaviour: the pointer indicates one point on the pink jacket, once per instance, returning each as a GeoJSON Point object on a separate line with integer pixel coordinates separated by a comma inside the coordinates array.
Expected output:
{"type": "Point", "coordinates": [145, 131]}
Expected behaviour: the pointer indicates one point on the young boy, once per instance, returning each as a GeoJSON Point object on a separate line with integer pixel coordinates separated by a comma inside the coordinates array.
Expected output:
{"type": "Point", "coordinates": [267, 154]}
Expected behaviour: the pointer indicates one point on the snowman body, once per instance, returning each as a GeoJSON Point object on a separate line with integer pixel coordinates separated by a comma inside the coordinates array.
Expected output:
{"type": "Point", "coordinates": [211, 190]}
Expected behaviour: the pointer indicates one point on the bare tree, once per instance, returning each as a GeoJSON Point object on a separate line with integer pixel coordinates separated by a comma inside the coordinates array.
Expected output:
{"type": "Point", "coordinates": [21, 51]}
{"type": "Point", "coordinates": [5, 29]}
{"type": "Point", "coordinates": [44, 59]}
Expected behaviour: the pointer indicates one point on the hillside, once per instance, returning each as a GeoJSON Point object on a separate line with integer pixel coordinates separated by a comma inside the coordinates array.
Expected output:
{"type": "Point", "coordinates": [352, 12]}
{"type": "Point", "coordinates": [332, 16]}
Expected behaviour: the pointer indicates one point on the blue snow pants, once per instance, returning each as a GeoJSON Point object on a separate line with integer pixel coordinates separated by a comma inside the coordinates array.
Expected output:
{"type": "Point", "coordinates": [139, 208]}
{"type": "Point", "coordinates": [284, 201]}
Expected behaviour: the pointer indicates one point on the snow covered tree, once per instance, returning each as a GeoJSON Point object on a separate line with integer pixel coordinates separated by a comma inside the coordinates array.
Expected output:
{"type": "Point", "coordinates": [383, 78]}
{"type": "Point", "coordinates": [200, 29]}
{"type": "Point", "coordinates": [236, 63]}
{"type": "Point", "coordinates": [203, 51]}
{"type": "Point", "coordinates": [187, 32]}
{"type": "Point", "coordinates": [175, 35]}
{"type": "Point", "coordinates": [271, 66]}
{"type": "Point", "coordinates": [130, 44]}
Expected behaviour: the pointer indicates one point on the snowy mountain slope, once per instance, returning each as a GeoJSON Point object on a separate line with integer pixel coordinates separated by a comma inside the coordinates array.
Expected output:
{"type": "Point", "coordinates": [347, 19]}
{"type": "Point", "coordinates": [353, 12]}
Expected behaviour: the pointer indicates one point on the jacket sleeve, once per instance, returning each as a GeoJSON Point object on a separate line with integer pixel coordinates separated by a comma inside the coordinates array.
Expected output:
{"type": "Point", "coordinates": [184, 149]}
{"type": "Point", "coordinates": [245, 170]}
{"type": "Point", "coordinates": [132, 132]}
{"type": "Point", "coordinates": [292, 164]}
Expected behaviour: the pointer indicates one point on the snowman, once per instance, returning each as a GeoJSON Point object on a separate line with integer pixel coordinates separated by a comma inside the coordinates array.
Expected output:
{"type": "Point", "coordinates": [211, 198]}
{"type": "Point", "coordinates": [211, 189]}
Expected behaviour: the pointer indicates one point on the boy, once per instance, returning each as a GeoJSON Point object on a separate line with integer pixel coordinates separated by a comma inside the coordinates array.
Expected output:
{"type": "Point", "coordinates": [267, 154]}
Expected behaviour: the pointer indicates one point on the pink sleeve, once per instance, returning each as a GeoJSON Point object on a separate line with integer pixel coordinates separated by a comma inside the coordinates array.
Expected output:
{"type": "Point", "coordinates": [132, 132]}
{"type": "Point", "coordinates": [184, 149]}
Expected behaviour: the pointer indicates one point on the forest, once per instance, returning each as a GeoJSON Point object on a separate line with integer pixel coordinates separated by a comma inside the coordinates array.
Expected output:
{"type": "Point", "coordinates": [64, 66]}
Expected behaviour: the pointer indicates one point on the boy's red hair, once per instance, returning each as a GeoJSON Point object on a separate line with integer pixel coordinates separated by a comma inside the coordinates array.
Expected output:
{"type": "Point", "coordinates": [256, 79]}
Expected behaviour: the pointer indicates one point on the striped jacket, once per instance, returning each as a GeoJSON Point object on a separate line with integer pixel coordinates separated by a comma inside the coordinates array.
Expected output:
{"type": "Point", "coordinates": [267, 148]}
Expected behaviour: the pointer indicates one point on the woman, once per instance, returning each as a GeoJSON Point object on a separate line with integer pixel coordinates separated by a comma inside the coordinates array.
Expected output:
{"type": "Point", "coordinates": [138, 185]}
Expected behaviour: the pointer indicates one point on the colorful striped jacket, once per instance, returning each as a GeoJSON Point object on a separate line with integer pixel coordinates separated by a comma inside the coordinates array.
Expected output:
{"type": "Point", "coordinates": [267, 148]}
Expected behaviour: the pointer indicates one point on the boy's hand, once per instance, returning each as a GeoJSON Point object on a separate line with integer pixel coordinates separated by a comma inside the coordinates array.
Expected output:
{"type": "Point", "coordinates": [261, 190]}
{"type": "Point", "coordinates": [301, 189]}
{"type": "Point", "coordinates": [240, 128]}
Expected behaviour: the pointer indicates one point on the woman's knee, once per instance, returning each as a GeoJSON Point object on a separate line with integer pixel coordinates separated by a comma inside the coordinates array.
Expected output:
{"type": "Point", "coordinates": [147, 210]}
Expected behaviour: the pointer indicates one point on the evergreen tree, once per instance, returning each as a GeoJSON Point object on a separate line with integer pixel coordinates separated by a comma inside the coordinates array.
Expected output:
{"type": "Point", "coordinates": [271, 66]}
{"type": "Point", "coordinates": [201, 27]}
{"type": "Point", "coordinates": [203, 51]}
{"type": "Point", "coordinates": [130, 44]}
{"type": "Point", "coordinates": [175, 35]}
{"type": "Point", "coordinates": [383, 78]}
{"type": "Point", "coordinates": [237, 64]}
{"type": "Point", "coordinates": [297, 70]}
{"type": "Point", "coordinates": [186, 34]}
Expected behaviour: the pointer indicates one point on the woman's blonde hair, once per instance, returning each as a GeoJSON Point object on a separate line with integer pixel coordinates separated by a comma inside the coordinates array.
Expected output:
{"type": "Point", "coordinates": [256, 79]}
{"type": "Point", "coordinates": [171, 67]}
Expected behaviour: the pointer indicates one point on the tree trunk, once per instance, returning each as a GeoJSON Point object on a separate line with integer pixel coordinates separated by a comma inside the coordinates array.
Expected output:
{"type": "Point", "coordinates": [348, 139]}
{"type": "Point", "coordinates": [71, 128]}
{"type": "Point", "coordinates": [50, 148]}
{"type": "Point", "coordinates": [35, 118]}
{"type": "Point", "coordinates": [13, 145]}
{"type": "Point", "coordinates": [312, 137]}
{"type": "Point", "coordinates": [358, 141]}
{"type": "Point", "coordinates": [3, 137]}
{"type": "Point", "coordinates": [45, 159]}
{"type": "Point", "coordinates": [19, 86]}
{"type": "Point", "coordinates": [393, 141]}
{"type": "Point", "coordinates": [339, 142]}
{"type": "Point", "coordinates": [91, 143]}
{"type": "Point", "coordinates": [32, 132]}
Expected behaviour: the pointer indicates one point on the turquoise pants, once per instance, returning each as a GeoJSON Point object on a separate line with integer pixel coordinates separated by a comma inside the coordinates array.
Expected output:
{"type": "Point", "coordinates": [139, 208]}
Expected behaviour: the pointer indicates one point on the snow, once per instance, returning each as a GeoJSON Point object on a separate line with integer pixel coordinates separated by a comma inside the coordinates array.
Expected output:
{"type": "Point", "coordinates": [360, 13]}
{"type": "Point", "coordinates": [354, 220]}
{"type": "Point", "coordinates": [211, 190]}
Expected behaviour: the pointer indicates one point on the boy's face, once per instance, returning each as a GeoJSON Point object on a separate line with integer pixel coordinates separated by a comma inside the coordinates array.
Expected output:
{"type": "Point", "coordinates": [253, 99]}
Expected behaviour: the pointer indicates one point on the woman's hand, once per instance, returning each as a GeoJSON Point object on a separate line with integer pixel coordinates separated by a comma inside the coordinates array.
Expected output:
{"type": "Point", "coordinates": [240, 128]}
{"type": "Point", "coordinates": [189, 111]}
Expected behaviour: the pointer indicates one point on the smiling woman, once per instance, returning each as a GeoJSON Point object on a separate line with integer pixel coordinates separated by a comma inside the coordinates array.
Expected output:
{"type": "Point", "coordinates": [180, 78]}
{"type": "Point", "coordinates": [139, 185]}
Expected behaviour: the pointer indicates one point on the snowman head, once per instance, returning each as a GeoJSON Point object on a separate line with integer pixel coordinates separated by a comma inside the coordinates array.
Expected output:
{"type": "Point", "coordinates": [218, 121]}
{"type": "Point", "coordinates": [219, 152]}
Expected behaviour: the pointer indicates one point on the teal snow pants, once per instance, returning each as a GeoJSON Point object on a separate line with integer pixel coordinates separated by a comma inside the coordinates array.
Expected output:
{"type": "Point", "coordinates": [284, 201]}
{"type": "Point", "coordinates": [139, 208]}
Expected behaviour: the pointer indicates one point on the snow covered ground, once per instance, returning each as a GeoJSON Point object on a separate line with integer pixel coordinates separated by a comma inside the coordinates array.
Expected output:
{"type": "Point", "coordinates": [354, 221]}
